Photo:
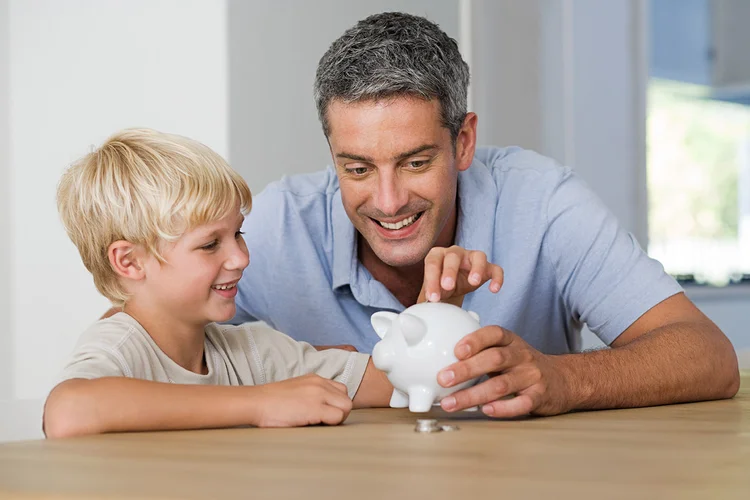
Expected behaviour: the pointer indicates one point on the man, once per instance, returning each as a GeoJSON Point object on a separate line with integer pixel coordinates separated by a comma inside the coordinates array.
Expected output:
{"type": "Point", "coordinates": [410, 203]}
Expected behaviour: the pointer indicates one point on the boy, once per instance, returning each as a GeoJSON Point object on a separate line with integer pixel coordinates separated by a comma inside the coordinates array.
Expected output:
{"type": "Point", "coordinates": [156, 219]}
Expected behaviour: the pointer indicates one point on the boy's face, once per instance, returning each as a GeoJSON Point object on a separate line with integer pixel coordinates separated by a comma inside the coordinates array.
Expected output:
{"type": "Point", "coordinates": [198, 283]}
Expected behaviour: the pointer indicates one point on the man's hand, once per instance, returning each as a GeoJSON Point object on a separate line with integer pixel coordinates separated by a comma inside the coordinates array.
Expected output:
{"type": "Point", "coordinates": [450, 273]}
{"type": "Point", "coordinates": [306, 400]}
{"type": "Point", "coordinates": [530, 382]}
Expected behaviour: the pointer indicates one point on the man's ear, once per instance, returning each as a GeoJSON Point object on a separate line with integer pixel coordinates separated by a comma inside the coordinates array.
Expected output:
{"type": "Point", "coordinates": [466, 142]}
{"type": "Point", "coordinates": [127, 259]}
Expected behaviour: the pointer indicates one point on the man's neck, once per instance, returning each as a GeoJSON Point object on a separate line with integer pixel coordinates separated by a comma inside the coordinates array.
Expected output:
{"type": "Point", "coordinates": [404, 282]}
{"type": "Point", "coordinates": [184, 344]}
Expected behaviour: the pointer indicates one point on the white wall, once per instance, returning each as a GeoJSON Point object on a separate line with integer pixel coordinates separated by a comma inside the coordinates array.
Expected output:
{"type": "Point", "coordinates": [79, 70]}
{"type": "Point", "coordinates": [274, 49]}
{"type": "Point", "coordinates": [6, 337]}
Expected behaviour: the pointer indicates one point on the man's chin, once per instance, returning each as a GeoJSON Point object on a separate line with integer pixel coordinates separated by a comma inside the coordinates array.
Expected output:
{"type": "Point", "coordinates": [395, 258]}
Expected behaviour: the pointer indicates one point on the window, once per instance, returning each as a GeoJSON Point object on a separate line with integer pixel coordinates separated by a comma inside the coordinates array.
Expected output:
{"type": "Point", "coordinates": [698, 140]}
{"type": "Point", "coordinates": [698, 157]}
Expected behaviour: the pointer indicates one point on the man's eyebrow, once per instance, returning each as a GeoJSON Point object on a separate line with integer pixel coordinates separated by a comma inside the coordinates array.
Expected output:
{"type": "Point", "coordinates": [415, 151]}
{"type": "Point", "coordinates": [352, 156]}
{"type": "Point", "coordinates": [407, 154]}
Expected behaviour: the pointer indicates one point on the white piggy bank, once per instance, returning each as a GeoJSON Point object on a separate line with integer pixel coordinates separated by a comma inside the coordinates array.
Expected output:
{"type": "Point", "coordinates": [415, 346]}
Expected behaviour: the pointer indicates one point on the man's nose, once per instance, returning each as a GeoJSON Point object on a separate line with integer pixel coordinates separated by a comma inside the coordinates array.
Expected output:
{"type": "Point", "coordinates": [391, 196]}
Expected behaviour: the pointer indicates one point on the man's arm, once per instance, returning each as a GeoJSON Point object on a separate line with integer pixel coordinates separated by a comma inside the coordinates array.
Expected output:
{"type": "Point", "coordinates": [114, 404]}
{"type": "Point", "coordinates": [671, 354]}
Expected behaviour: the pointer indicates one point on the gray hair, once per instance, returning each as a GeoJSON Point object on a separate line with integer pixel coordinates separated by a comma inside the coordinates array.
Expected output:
{"type": "Point", "coordinates": [394, 54]}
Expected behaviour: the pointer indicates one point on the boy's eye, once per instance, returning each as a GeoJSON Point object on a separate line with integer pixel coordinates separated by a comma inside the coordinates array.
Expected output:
{"type": "Point", "coordinates": [239, 234]}
{"type": "Point", "coordinates": [210, 246]}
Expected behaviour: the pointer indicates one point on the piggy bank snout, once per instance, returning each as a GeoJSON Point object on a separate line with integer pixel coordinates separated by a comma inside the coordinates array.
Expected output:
{"type": "Point", "coordinates": [383, 355]}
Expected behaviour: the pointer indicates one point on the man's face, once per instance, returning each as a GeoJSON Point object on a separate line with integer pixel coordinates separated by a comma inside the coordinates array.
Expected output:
{"type": "Point", "coordinates": [398, 174]}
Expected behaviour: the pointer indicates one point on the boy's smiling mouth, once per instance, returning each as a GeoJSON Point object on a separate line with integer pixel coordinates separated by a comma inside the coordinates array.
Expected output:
{"type": "Point", "coordinates": [227, 290]}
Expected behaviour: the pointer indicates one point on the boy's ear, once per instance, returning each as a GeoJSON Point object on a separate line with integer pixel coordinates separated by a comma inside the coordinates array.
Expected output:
{"type": "Point", "coordinates": [126, 259]}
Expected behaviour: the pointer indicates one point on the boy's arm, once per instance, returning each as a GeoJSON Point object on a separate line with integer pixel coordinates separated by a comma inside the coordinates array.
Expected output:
{"type": "Point", "coordinates": [375, 389]}
{"type": "Point", "coordinates": [114, 404]}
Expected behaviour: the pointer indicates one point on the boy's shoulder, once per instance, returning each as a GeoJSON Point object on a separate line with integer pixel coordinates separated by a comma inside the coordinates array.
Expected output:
{"type": "Point", "coordinates": [112, 332]}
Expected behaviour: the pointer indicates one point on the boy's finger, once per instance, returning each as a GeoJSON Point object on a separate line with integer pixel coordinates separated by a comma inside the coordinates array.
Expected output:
{"type": "Point", "coordinates": [332, 415]}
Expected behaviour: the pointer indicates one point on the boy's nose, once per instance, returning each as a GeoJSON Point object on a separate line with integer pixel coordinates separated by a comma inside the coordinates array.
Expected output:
{"type": "Point", "coordinates": [239, 258]}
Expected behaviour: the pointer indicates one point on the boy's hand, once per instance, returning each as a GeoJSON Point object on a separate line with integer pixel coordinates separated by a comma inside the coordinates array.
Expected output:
{"type": "Point", "coordinates": [306, 400]}
{"type": "Point", "coordinates": [450, 273]}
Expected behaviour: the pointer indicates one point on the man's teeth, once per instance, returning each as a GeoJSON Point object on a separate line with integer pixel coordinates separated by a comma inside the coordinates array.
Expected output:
{"type": "Point", "coordinates": [224, 287]}
{"type": "Point", "coordinates": [398, 225]}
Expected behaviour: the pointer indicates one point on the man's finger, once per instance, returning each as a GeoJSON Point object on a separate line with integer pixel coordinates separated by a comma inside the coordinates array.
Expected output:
{"type": "Point", "coordinates": [488, 336]}
{"type": "Point", "coordinates": [508, 408]}
{"type": "Point", "coordinates": [498, 277]}
{"type": "Point", "coordinates": [488, 391]}
{"type": "Point", "coordinates": [492, 360]}
{"type": "Point", "coordinates": [451, 264]}
{"type": "Point", "coordinates": [433, 271]}
{"type": "Point", "coordinates": [479, 269]}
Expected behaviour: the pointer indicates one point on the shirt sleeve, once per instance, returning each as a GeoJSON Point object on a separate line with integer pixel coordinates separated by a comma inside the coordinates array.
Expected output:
{"type": "Point", "coordinates": [283, 357]}
{"type": "Point", "coordinates": [98, 352]}
{"type": "Point", "coordinates": [90, 361]}
{"type": "Point", "coordinates": [604, 277]}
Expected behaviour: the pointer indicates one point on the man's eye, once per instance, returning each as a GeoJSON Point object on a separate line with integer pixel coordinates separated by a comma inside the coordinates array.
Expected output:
{"type": "Point", "coordinates": [417, 164]}
{"type": "Point", "coordinates": [357, 170]}
{"type": "Point", "coordinates": [210, 246]}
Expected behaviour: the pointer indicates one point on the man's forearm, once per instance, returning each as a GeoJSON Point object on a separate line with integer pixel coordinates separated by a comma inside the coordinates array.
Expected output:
{"type": "Point", "coordinates": [112, 404]}
{"type": "Point", "coordinates": [676, 363]}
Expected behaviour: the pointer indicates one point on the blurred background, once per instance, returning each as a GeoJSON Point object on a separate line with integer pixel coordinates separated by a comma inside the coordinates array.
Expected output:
{"type": "Point", "coordinates": [649, 100]}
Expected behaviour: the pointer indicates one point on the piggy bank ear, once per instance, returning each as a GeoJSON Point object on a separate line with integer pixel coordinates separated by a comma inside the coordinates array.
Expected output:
{"type": "Point", "coordinates": [381, 322]}
{"type": "Point", "coordinates": [413, 328]}
{"type": "Point", "coordinates": [474, 315]}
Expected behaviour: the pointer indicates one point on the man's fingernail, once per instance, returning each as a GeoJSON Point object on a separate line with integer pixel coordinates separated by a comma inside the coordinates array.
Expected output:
{"type": "Point", "coordinates": [447, 283]}
{"type": "Point", "coordinates": [463, 351]}
{"type": "Point", "coordinates": [448, 402]}
{"type": "Point", "coordinates": [434, 297]}
{"type": "Point", "coordinates": [475, 279]}
{"type": "Point", "coordinates": [446, 377]}
{"type": "Point", "coordinates": [488, 409]}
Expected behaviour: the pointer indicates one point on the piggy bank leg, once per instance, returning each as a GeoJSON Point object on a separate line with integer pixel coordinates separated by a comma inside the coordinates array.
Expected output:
{"type": "Point", "coordinates": [420, 399]}
{"type": "Point", "coordinates": [399, 399]}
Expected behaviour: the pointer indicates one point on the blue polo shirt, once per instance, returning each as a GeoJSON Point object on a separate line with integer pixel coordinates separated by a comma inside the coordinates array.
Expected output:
{"type": "Point", "coordinates": [567, 261]}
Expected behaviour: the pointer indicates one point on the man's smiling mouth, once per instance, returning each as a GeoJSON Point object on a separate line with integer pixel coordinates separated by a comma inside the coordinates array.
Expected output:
{"type": "Point", "coordinates": [400, 224]}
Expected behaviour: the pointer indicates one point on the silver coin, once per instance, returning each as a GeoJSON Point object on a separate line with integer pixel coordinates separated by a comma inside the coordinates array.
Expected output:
{"type": "Point", "coordinates": [427, 425]}
{"type": "Point", "coordinates": [450, 428]}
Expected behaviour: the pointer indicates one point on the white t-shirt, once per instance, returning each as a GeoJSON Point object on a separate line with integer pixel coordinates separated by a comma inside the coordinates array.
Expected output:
{"type": "Point", "coordinates": [247, 354]}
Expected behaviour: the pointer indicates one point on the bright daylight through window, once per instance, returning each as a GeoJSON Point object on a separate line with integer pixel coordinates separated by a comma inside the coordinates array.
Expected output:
{"type": "Point", "coordinates": [698, 141]}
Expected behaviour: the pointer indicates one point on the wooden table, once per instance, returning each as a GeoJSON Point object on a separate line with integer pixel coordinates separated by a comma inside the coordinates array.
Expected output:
{"type": "Point", "coordinates": [699, 450]}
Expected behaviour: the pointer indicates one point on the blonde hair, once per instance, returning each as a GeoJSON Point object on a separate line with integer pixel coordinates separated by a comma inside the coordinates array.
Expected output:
{"type": "Point", "coordinates": [144, 187]}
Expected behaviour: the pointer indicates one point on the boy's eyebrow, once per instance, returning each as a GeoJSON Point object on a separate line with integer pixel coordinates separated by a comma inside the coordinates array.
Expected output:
{"type": "Point", "coordinates": [399, 157]}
